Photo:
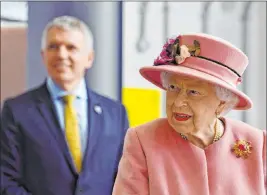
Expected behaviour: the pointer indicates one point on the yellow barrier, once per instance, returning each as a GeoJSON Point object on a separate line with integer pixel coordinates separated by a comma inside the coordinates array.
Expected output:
{"type": "Point", "coordinates": [142, 105]}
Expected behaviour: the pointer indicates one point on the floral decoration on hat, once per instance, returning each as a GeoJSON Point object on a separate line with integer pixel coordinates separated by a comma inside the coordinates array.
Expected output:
{"type": "Point", "coordinates": [173, 53]}
{"type": "Point", "coordinates": [242, 148]}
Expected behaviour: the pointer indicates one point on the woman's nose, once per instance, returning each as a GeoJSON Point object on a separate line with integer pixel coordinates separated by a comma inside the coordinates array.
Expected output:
{"type": "Point", "coordinates": [181, 100]}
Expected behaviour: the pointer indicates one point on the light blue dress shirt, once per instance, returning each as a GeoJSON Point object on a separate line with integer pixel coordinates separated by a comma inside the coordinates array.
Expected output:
{"type": "Point", "coordinates": [80, 105]}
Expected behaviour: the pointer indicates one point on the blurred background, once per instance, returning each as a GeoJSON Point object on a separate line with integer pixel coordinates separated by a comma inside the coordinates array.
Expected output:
{"type": "Point", "coordinates": [129, 35]}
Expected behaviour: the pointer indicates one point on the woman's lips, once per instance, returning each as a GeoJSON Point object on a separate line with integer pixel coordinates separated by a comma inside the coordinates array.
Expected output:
{"type": "Point", "coordinates": [181, 116]}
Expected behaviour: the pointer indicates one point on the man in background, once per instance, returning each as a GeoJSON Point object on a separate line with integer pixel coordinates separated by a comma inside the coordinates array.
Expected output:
{"type": "Point", "coordinates": [62, 138]}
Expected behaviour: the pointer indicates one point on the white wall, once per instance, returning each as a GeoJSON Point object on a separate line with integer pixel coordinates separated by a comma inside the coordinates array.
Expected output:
{"type": "Point", "coordinates": [14, 10]}
{"type": "Point", "coordinates": [224, 21]}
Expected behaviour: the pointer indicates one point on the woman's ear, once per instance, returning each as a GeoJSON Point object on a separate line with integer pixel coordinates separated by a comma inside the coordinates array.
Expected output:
{"type": "Point", "coordinates": [220, 108]}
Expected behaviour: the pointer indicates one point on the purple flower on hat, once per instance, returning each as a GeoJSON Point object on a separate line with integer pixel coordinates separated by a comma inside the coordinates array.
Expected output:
{"type": "Point", "coordinates": [165, 55]}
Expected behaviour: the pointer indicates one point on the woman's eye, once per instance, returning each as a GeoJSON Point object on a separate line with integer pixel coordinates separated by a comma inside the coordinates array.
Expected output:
{"type": "Point", "coordinates": [173, 88]}
{"type": "Point", "coordinates": [193, 92]}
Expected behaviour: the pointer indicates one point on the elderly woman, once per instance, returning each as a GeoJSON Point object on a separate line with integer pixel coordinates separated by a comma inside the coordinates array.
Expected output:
{"type": "Point", "coordinates": [196, 150]}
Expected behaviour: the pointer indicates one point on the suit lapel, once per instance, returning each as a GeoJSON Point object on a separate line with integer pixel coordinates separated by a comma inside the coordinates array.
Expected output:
{"type": "Point", "coordinates": [47, 110]}
{"type": "Point", "coordinates": [95, 124]}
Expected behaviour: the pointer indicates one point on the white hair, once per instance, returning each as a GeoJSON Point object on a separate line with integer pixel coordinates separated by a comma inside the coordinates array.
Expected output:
{"type": "Point", "coordinates": [222, 93]}
{"type": "Point", "coordinates": [69, 23]}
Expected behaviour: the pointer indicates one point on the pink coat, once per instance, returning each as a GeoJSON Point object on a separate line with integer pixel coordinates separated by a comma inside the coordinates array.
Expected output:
{"type": "Point", "coordinates": [157, 161]}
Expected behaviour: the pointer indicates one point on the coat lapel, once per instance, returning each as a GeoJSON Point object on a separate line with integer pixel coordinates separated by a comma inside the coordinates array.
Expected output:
{"type": "Point", "coordinates": [47, 110]}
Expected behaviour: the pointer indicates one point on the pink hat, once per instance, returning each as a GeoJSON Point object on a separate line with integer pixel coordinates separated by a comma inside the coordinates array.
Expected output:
{"type": "Point", "coordinates": [203, 57]}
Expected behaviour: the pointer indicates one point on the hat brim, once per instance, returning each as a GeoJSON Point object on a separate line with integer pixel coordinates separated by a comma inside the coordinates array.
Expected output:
{"type": "Point", "coordinates": [152, 74]}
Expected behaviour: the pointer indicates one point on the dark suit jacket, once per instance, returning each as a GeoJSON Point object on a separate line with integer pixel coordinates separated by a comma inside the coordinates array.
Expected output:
{"type": "Point", "coordinates": [34, 155]}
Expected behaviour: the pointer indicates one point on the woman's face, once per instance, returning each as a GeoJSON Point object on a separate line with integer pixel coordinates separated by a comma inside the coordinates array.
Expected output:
{"type": "Point", "coordinates": [191, 104]}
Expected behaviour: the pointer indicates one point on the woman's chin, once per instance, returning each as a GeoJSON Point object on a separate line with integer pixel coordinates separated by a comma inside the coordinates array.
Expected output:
{"type": "Point", "coordinates": [181, 128]}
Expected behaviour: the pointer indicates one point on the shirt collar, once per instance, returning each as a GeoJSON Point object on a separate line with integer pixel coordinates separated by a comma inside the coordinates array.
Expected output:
{"type": "Point", "coordinates": [56, 92]}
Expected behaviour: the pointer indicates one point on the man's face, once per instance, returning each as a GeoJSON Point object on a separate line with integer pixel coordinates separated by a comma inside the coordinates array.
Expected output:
{"type": "Point", "coordinates": [66, 56]}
